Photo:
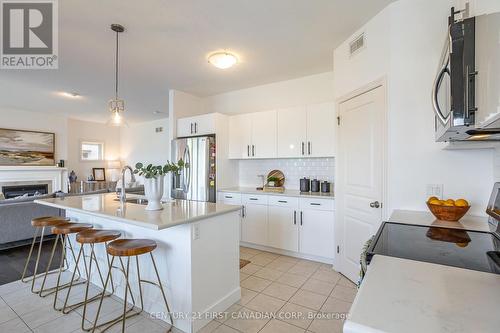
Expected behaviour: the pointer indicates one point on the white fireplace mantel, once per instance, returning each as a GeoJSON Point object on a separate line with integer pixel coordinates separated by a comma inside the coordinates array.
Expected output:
{"type": "Point", "coordinates": [58, 177]}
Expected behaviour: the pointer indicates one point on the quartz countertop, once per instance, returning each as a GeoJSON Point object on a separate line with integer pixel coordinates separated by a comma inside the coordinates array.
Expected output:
{"type": "Point", "coordinates": [399, 295]}
{"type": "Point", "coordinates": [468, 222]}
{"type": "Point", "coordinates": [287, 193]}
{"type": "Point", "coordinates": [175, 212]}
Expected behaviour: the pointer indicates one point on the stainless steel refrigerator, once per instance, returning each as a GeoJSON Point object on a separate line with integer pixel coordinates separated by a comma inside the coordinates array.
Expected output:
{"type": "Point", "coordinates": [197, 180]}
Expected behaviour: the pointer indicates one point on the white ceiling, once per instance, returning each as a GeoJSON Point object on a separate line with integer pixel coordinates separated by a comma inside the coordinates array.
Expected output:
{"type": "Point", "coordinates": [165, 46]}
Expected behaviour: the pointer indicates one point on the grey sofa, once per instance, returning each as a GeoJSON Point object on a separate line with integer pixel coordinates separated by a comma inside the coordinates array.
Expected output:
{"type": "Point", "coordinates": [16, 216]}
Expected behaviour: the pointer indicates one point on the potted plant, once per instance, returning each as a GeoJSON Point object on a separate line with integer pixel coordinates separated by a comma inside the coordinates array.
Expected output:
{"type": "Point", "coordinates": [272, 181]}
{"type": "Point", "coordinates": [154, 177]}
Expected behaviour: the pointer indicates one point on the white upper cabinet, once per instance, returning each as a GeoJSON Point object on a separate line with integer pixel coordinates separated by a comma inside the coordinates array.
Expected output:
{"type": "Point", "coordinates": [252, 135]}
{"type": "Point", "coordinates": [307, 131]}
{"type": "Point", "coordinates": [197, 125]}
{"type": "Point", "coordinates": [240, 136]}
{"type": "Point", "coordinates": [321, 130]}
{"type": "Point", "coordinates": [264, 134]}
{"type": "Point", "coordinates": [292, 131]}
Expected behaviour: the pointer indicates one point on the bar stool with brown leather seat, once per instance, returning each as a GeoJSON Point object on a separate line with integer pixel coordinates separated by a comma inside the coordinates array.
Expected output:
{"type": "Point", "coordinates": [40, 223]}
{"type": "Point", "coordinates": [62, 230]}
{"type": "Point", "coordinates": [89, 237]}
{"type": "Point", "coordinates": [130, 248]}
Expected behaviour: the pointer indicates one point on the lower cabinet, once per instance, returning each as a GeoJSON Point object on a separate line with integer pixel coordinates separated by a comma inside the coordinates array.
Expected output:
{"type": "Point", "coordinates": [316, 233]}
{"type": "Point", "coordinates": [283, 225]}
{"type": "Point", "coordinates": [302, 225]}
{"type": "Point", "coordinates": [254, 224]}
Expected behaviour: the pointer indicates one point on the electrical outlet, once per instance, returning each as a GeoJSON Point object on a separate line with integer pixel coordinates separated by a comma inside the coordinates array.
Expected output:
{"type": "Point", "coordinates": [196, 231]}
{"type": "Point", "coordinates": [435, 190]}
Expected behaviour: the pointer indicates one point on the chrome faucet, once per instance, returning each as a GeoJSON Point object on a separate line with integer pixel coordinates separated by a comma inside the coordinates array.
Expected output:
{"type": "Point", "coordinates": [123, 196]}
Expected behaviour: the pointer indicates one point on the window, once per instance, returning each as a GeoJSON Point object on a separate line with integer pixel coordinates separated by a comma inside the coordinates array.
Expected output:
{"type": "Point", "coordinates": [92, 151]}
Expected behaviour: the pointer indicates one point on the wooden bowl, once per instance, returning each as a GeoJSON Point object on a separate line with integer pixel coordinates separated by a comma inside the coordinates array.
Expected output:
{"type": "Point", "coordinates": [447, 213]}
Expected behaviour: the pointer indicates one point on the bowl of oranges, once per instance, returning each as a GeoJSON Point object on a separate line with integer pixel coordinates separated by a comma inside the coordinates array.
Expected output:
{"type": "Point", "coordinates": [448, 210]}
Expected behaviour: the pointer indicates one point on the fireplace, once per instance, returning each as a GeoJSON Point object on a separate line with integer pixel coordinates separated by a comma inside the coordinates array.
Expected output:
{"type": "Point", "coordinates": [19, 190]}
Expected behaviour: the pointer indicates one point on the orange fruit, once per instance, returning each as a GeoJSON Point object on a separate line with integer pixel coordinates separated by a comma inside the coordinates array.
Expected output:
{"type": "Point", "coordinates": [462, 244]}
{"type": "Point", "coordinates": [461, 203]}
{"type": "Point", "coordinates": [450, 202]}
{"type": "Point", "coordinates": [435, 202]}
{"type": "Point", "coordinates": [432, 199]}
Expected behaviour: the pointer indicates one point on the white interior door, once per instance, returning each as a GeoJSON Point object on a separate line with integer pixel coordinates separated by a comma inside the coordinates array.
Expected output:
{"type": "Point", "coordinates": [360, 175]}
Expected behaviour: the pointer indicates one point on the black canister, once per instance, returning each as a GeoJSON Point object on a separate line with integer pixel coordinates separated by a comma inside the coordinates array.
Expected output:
{"type": "Point", "coordinates": [315, 185]}
{"type": "Point", "coordinates": [305, 184]}
{"type": "Point", "coordinates": [325, 187]}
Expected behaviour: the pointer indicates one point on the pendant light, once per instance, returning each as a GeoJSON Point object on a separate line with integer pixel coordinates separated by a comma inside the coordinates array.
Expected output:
{"type": "Point", "coordinates": [116, 106]}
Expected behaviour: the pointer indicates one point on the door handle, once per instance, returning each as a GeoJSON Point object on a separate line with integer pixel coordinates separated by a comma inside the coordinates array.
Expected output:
{"type": "Point", "coordinates": [191, 128]}
{"type": "Point", "coordinates": [309, 147]}
{"type": "Point", "coordinates": [242, 211]}
{"type": "Point", "coordinates": [375, 204]}
{"type": "Point", "coordinates": [301, 218]}
{"type": "Point", "coordinates": [248, 150]}
{"type": "Point", "coordinates": [253, 150]}
{"type": "Point", "coordinates": [435, 89]}
{"type": "Point", "coordinates": [282, 201]}
{"type": "Point", "coordinates": [295, 217]}
{"type": "Point", "coordinates": [302, 148]}
{"type": "Point", "coordinates": [195, 128]}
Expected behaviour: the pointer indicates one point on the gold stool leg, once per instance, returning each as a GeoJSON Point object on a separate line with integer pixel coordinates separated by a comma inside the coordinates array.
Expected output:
{"type": "Point", "coordinates": [161, 288]}
{"type": "Point", "coordinates": [37, 261]}
{"type": "Point", "coordinates": [29, 257]}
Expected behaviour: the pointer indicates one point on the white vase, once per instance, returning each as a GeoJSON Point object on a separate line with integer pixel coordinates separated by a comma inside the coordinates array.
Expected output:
{"type": "Point", "coordinates": [153, 189]}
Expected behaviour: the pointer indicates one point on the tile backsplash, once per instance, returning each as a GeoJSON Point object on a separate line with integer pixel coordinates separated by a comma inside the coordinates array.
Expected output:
{"type": "Point", "coordinates": [293, 168]}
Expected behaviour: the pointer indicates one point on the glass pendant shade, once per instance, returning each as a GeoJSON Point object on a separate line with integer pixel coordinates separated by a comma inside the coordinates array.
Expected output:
{"type": "Point", "coordinates": [116, 108]}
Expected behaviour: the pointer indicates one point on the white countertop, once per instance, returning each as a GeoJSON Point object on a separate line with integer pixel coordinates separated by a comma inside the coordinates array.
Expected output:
{"type": "Point", "coordinates": [174, 213]}
{"type": "Point", "coordinates": [287, 193]}
{"type": "Point", "coordinates": [468, 222]}
{"type": "Point", "coordinates": [399, 295]}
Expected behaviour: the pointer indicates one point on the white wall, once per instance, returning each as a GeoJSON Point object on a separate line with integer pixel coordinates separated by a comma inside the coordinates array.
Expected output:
{"type": "Point", "coordinates": [37, 121]}
{"type": "Point", "coordinates": [141, 143]}
{"type": "Point", "coordinates": [79, 131]}
{"type": "Point", "coordinates": [305, 90]}
{"type": "Point", "coordinates": [404, 43]}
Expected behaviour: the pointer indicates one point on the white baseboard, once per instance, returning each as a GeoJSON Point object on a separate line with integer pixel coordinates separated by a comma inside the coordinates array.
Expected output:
{"type": "Point", "coordinates": [218, 307]}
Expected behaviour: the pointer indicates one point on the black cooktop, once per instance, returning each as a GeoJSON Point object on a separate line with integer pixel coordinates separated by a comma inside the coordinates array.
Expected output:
{"type": "Point", "coordinates": [453, 247]}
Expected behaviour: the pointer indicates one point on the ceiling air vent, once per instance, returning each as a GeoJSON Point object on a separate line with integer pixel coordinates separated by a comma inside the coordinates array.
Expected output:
{"type": "Point", "coordinates": [356, 45]}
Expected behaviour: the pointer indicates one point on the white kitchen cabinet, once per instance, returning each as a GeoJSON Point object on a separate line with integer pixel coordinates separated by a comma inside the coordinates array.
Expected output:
{"type": "Point", "coordinates": [252, 135]}
{"type": "Point", "coordinates": [291, 129]}
{"type": "Point", "coordinates": [264, 134]}
{"type": "Point", "coordinates": [306, 131]}
{"type": "Point", "coordinates": [197, 125]}
{"type": "Point", "coordinates": [316, 228]}
{"type": "Point", "coordinates": [254, 224]}
{"type": "Point", "coordinates": [283, 231]}
{"type": "Point", "coordinates": [321, 127]}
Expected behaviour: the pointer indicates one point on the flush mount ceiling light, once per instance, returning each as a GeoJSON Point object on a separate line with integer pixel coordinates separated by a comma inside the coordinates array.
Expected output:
{"type": "Point", "coordinates": [222, 60]}
{"type": "Point", "coordinates": [69, 94]}
{"type": "Point", "coordinates": [116, 106]}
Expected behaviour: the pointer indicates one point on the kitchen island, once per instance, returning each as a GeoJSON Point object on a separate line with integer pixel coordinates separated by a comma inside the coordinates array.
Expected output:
{"type": "Point", "coordinates": [197, 254]}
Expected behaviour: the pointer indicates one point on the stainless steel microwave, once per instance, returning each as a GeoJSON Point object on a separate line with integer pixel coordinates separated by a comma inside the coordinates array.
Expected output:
{"type": "Point", "coordinates": [466, 90]}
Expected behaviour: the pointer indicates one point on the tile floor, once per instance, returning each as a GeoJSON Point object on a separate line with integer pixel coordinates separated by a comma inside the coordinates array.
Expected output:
{"type": "Point", "coordinates": [279, 294]}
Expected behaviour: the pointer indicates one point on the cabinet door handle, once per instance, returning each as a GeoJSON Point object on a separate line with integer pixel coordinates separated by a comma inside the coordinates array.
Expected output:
{"type": "Point", "coordinates": [191, 128]}
{"type": "Point", "coordinates": [195, 128]}
{"type": "Point", "coordinates": [315, 204]}
{"type": "Point", "coordinates": [308, 147]}
{"type": "Point", "coordinates": [228, 197]}
{"type": "Point", "coordinates": [302, 148]}
{"type": "Point", "coordinates": [282, 201]}
{"type": "Point", "coordinates": [253, 150]}
{"type": "Point", "coordinates": [242, 211]}
{"type": "Point", "coordinates": [295, 217]}
{"type": "Point", "coordinates": [254, 199]}
{"type": "Point", "coordinates": [248, 150]}
{"type": "Point", "coordinates": [301, 217]}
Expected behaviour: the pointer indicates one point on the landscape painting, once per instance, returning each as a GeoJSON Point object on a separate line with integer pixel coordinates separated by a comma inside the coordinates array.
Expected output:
{"type": "Point", "coordinates": [18, 147]}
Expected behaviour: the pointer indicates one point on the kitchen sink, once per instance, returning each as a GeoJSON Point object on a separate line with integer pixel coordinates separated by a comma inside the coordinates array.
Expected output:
{"type": "Point", "coordinates": [138, 201]}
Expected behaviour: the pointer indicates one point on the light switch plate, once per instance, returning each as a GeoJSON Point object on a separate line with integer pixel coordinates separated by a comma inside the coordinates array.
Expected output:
{"type": "Point", "coordinates": [435, 190]}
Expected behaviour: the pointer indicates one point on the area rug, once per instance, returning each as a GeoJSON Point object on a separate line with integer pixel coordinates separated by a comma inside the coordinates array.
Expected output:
{"type": "Point", "coordinates": [243, 263]}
